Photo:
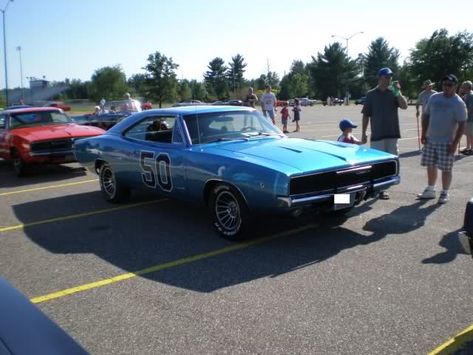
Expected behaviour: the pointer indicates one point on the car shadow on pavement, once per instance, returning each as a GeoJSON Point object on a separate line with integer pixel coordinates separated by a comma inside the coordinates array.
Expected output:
{"type": "Point", "coordinates": [402, 220]}
{"type": "Point", "coordinates": [39, 174]}
{"type": "Point", "coordinates": [149, 232]}
{"type": "Point", "coordinates": [452, 246]}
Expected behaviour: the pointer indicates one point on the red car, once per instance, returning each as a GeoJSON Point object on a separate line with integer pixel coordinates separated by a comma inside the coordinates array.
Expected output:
{"type": "Point", "coordinates": [59, 104]}
{"type": "Point", "coordinates": [37, 135]}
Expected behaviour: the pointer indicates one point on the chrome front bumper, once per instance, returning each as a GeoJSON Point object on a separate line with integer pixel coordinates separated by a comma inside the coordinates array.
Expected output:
{"type": "Point", "coordinates": [367, 190]}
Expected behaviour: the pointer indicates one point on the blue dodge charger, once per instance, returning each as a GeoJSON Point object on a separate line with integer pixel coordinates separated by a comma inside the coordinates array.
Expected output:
{"type": "Point", "coordinates": [235, 162]}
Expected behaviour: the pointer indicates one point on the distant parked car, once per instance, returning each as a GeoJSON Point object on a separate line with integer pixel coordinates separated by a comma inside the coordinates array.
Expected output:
{"type": "Point", "coordinates": [234, 102]}
{"type": "Point", "coordinates": [114, 112]}
{"type": "Point", "coordinates": [104, 120]}
{"type": "Point", "coordinates": [146, 105]}
{"type": "Point", "coordinates": [360, 101]}
{"type": "Point", "coordinates": [281, 102]}
{"type": "Point", "coordinates": [304, 101]}
{"type": "Point", "coordinates": [58, 104]}
{"type": "Point", "coordinates": [37, 135]}
{"type": "Point", "coordinates": [12, 107]}
{"type": "Point", "coordinates": [189, 103]}
{"type": "Point", "coordinates": [466, 234]}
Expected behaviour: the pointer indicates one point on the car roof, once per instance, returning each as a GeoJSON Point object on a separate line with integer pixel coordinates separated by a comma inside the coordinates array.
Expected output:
{"type": "Point", "coordinates": [32, 109]}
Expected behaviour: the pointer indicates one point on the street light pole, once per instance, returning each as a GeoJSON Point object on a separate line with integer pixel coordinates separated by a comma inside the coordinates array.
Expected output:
{"type": "Point", "coordinates": [348, 38]}
{"type": "Point", "coordinates": [21, 73]}
{"type": "Point", "coordinates": [347, 93]}
{"type": "Point", "coordinates": [5, 52]}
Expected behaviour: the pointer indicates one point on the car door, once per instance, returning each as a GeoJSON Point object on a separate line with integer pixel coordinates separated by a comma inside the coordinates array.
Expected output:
{"type": "Point", "coordinates": [156, 155]}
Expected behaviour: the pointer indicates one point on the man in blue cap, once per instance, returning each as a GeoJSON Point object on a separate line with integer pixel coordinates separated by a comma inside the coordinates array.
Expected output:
{"type": "Point", "coordinates": [381, 112]}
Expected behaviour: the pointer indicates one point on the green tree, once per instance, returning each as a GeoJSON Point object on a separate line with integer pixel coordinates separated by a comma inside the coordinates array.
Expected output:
{"type": "Point", "coordinates": [109, 82]}
{"type": "Point", "coordinates": [270, 78]}
{"type": "Point", "coordinates": [184, 90]}
{"type": "Point", "coordinates": [296, 83]}
{"type": "Point", "coordinates": [138, 85]}
{"type": "Point", "coordinates": [379, 55]}
{"type": "Point", "coordinates": [236, 69]}
{"type": "Point", "coordinates": [77, 89]}
{"type": "Point", "coordinates": [198, 90]}
{"type": "Point", "coordinates": [442, 54]}
{"type": "Point", "coordinates": [216, 78]}
{"type": "Point", "coordinates": [161, 78]}
{"type": "Point", "coordinates": [332, 73]}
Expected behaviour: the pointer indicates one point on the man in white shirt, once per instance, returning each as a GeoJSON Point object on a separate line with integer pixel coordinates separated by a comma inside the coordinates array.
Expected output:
{"type": "Point", "coordinates": [424, 96]}
{"type": "Point", "coordinates": [268, 103]}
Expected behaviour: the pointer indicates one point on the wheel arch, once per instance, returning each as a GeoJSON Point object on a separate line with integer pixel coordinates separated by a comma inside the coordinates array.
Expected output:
{"type": "Point", "coordinates": [98, 165]}
{"type": "Point", "coordinates": [210, 184]}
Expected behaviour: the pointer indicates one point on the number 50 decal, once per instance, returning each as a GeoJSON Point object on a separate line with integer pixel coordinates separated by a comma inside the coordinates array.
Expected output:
{"type": "Point", "coordinates": [156, 169]}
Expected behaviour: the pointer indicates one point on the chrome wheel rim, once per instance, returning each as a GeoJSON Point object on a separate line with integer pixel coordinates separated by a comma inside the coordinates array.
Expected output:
{"type": "Point", "coordinates": [227, 211]}
{"type": "Point", "coordinates": [108, 182]}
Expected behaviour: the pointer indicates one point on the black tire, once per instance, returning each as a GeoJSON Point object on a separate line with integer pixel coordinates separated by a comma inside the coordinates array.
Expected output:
{"type": "Point", "coordinates": [112, 190]}
{"type": "Point", "coordinates": [230, 215]}
{"type": "Point", "coordinates": [19, 165]}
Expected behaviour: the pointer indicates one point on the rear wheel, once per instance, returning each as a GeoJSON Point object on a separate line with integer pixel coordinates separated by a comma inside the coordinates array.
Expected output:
{"type": "Point", "coordinates": [229, 212]}
{"type": "Point", "coordinates": [18, 164]}
{"type": "Point", "coordinates": [112, 189]}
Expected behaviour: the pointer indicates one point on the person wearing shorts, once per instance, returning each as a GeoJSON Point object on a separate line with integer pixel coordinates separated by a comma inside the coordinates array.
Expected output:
{"type": "Point", "coordinates": [268, 104]}
{"type": "Point", "coordinates": [443, 124]}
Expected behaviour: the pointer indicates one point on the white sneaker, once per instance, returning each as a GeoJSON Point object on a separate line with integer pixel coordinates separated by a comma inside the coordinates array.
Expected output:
{"type": "Point", "coordinates": [443, 198]}
{"type": "Point", "coordinates": [427, 194]}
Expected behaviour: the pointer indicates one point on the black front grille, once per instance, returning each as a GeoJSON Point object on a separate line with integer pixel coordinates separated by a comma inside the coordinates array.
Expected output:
{"type": "Point", "coordinates": [51, 146]}
{"type": "Point", "coordinates": [338, 179]}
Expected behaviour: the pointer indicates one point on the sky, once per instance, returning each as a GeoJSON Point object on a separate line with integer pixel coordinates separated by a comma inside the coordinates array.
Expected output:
{"type": "Point", "coordinates": [71, 39]}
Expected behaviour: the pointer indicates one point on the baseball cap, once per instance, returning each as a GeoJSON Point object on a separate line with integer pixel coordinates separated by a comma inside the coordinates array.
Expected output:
{"type": "Point", "coordinates": [346, 123]}
{"type": "Point", "coordinates": [428, 83]}
{"type": "Point", "coordinates": [450, 77]}
{"type": "Point", "coordinates": [385, 72]}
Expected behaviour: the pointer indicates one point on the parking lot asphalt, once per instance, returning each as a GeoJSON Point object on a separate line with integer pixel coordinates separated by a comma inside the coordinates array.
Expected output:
{"type": "Point", "coordinates": [151, 276]}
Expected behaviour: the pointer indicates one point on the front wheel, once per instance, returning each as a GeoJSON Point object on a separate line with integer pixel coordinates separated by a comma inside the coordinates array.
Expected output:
{"type": "Point", "coordinates": [18, 164]}
{"type": "Point", "coordinates": [112, 189]}
{"type": "Point", "coordinates": [229, 212]}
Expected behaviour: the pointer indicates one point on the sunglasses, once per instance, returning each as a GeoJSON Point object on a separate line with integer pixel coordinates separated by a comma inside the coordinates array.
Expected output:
{"type": "Point", "coordinates": [448, 84]}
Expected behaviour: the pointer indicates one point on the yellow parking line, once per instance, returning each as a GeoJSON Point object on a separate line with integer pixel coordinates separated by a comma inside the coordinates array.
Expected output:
{"type": "Point", "coordinates": [454, 344]}
{"type": "Point", "coordinates": [168, 265]}
{"type": "Point", "coordinates": [47, 187]}
{"type": "Point", "coordinates": [74, 216]}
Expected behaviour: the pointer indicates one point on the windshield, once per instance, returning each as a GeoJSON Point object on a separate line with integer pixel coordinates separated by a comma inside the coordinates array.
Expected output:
{"type": "Point", "coordinates": [38, 118]}
{"type": "Point", "coordinates": [130, 105]}
{"type": "Point", "coordinates": [224, 126]}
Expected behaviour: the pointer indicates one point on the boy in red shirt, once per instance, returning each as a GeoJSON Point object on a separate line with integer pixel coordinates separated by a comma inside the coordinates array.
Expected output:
{"type": "Point", "coordinates": [284, 117]}
{"type": "Point", "coordinates": [346, 126]}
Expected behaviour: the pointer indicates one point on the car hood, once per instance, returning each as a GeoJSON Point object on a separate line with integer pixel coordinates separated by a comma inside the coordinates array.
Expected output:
{"type": "Point", "coordinates": [56, 131]}
{"type": "Point", "coordinates": [294, 155]}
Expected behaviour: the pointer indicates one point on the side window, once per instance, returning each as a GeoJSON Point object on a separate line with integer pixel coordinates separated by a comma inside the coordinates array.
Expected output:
{"type": "Point", "coordinates": [2, 122]}
{"type": "Point", "coordinates": [153, 128]}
